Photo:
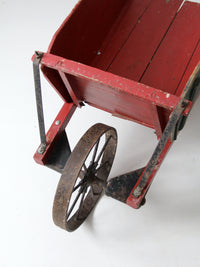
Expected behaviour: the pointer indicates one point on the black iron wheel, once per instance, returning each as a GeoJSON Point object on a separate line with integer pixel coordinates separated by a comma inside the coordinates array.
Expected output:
{"type": "Point", "coordinates": [84, 176]}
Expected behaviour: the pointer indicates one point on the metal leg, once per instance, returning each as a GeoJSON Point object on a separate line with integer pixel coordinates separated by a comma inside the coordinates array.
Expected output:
{"type": "Point", "coordinates": [38, 94]}
{"type": "Point", "coordinates": [131, 188]}
{"type": "Point", "coordinates": [168, 133]}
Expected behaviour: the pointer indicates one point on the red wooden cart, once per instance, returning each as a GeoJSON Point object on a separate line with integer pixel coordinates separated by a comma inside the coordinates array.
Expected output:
{"type": "Point", "coordinates": [138, 60]}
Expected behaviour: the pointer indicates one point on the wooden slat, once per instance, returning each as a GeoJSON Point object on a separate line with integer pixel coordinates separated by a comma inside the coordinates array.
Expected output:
{"type": "Point", "coordinates": [136, 53]}
{"type": "Point", "coordinates": [121, 30]}
{"type": "Point", "coordinates": [195, 60]}
{"type": "Point", "coordinates": [174, 54]}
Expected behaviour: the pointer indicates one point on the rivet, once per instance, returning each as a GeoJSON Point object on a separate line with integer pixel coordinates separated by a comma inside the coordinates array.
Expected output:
{"type": "Point", "coordinates": [41, 149]}
{"type": "Point", "coordinates": [57, 122]}
{"type": "Point", "coordinates": [137, 192]}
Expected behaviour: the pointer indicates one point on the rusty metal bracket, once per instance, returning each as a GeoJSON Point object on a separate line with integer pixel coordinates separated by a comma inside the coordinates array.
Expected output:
{"type": "Point", "coordinates": [121, 186]}
{"type": "Point", "coordinates": [38, 95]}
{"type": "Point", "coordinates": [59, 154]}
{"type": "Point", "coordinates": [168, 133]}
{"type": "Point", "coordinates": [190, 93]}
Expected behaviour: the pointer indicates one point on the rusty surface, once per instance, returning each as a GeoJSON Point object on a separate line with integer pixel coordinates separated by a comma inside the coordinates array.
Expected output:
{"type": "Point", "coordinates": [190, 93]}
{"type": "Point", "coordinates": [121, 186]}
{"type": "Point", "coordinates": [91, 179]}
{"type": "Point", "coordinates": [55, 131]}
{"type": "Point", "coordinates": [167, 134]}
{"type": "Point", "coordinates": [59, 154]}
{"type": "Point", "coordinates": [38, 95]}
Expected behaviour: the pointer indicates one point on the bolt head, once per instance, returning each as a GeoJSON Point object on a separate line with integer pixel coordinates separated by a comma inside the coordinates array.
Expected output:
{"type": "Point", "coordinates": [41, 149]}
{"type": "Point", "coordinates": [137, 192]}
{"type": "Point", "coordinates": [57, 122]}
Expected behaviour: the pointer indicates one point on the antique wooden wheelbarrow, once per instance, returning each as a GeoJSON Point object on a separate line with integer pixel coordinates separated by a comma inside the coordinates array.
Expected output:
{"type": "Point", "coordinates": [138, 60]}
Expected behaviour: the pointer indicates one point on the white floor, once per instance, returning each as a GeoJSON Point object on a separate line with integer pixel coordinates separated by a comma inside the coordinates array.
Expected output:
{"type": "Point", "coordinates": [164, 233]}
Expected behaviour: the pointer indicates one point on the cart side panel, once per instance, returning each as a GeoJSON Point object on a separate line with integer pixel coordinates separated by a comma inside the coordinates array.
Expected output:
{"type": "Point", "coordinates": [112, 93]}
{"type": "Point", "coordinates": [113, 101]}
{"type": "Point", "coordinates": [80, 36]}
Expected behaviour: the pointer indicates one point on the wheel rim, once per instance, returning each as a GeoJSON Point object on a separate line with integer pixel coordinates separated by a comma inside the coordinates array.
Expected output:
{"type": "Point", "coordinates": [84, 176]}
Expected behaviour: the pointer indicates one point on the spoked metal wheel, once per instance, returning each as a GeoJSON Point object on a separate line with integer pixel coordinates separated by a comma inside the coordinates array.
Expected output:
{"type": "Point", "coordinates": [84, 176]}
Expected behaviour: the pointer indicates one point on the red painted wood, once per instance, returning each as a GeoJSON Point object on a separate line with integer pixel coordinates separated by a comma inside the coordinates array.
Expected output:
{"type": "Point", "coordinates": [156, 121]}
{"type": "Point", "coordinates": [110, 92]}
{"type": "Point", "coordinates": [168, 65]}
{"type": "Point", "coordinates": [69, 88]}
{"type": "Point", "coordinates": [135, 202]}
{"type": "Point", "coordinates": [82, 33]}
{"type": "Point", "coordinates": [114, 101]}
{"type": "Point", "coordinates": [120, 32]}
{"type": "Point", "coordinates": [53, 133]}
{"type": "Point", "coordinates": [136, 53]}
{"type": "Point", "coordinates": [170, 61]}
{"type": "Point", "coordinates": [53, 77]}
{"type": "Point", "coordinates": [80, 36]}
{"type": "Point", "coordinates": [195, 60]}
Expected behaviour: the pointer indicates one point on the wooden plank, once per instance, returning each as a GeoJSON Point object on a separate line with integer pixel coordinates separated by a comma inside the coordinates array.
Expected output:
{"type": "Point", "coordinates": [174, 54]}
{"type": "Point", "coordinates": [121, 30]}
{"type": "Point", "coordinates": [81, 34]}
{"type": "Point", "coordinates": [136, 53]}
{"type": "Point", "coordinates": [195, 60]}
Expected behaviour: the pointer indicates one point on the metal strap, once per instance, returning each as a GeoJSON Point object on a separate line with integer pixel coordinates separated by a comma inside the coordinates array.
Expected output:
{"type": "Point", "coordinates": [38, 95]}
{"type": "Point", "coordinates": [169, 130]}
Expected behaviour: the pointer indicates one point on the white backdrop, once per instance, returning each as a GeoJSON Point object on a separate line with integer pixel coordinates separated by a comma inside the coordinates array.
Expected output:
{"type": "Point", "coordinates": [165, 232]}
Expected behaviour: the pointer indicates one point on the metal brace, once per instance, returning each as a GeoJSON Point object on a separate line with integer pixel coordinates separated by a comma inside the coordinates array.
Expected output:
{"type": "Point", "coordinates": [38, 95]}
{"type": "Point", "coordinates": [169, 130]}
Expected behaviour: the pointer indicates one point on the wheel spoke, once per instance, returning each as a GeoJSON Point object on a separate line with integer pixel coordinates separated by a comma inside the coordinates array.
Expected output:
{"type": "Point", "coordinates": [95, 151]}
{"type": "Point", "coordinates": [78, 185]}
{"type": "Point", "coordinates": [84, 167]}
{"type": "Point", "coordinates": [101, 166]}
{"type": "Point", "coordinates": [81, 202]}
{"type": "Point", "coordinates": [74, 203]}
{"type": "Point", "coordinates": [103, 148]}
{"type": "Point", "coordinates": [81, 174]}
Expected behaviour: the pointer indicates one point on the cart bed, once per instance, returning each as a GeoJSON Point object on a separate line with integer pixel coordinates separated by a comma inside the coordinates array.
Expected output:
{"type": "Point", "coordinates": [153, 42]}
